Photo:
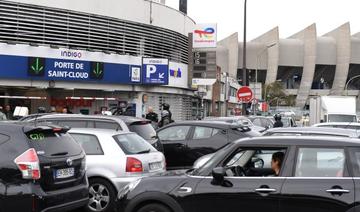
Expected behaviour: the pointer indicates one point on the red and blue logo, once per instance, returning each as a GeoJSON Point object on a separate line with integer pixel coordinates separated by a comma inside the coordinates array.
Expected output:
{"type": "Point", "coordinates": [207, 33]}
{"type": "Point", "coordinates": [175, 73]}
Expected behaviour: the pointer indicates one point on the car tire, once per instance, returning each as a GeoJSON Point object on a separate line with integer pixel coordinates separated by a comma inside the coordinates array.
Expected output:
{"type": "Point", "coordinates": [154, 208]}
{"type": "Point", "coordinates": [102, 195]}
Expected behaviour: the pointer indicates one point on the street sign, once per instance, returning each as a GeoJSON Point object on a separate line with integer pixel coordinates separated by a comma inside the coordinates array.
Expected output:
{"type": "Point", "coordinates": [245, 94]}
{"type": "Point", "coordinates": [155, 71]}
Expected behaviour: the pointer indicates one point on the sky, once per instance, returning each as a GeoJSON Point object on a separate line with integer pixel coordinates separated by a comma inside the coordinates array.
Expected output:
{"type": "Point", "coordinates": [263, 15]}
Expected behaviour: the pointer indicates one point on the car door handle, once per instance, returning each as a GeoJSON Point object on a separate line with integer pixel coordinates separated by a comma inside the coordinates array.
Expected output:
{"type": "Point", "coordinates": [338, 191]}
{"type": "Point", "coordinates": [265, 190]}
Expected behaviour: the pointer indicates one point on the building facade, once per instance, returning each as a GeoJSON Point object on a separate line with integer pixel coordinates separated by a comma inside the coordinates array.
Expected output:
{"type": "Point", "coordinates": [306, 64]}
{"type": "Point", "coordinates": [90, 55]}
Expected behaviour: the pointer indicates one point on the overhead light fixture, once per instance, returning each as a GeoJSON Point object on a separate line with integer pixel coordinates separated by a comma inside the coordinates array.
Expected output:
{"type": "Point", "coordinates": [10, 42]}
{"type": "Point", "coordinates": [34, 44]}
{"type": "Point", "coordinates": [54, 46]}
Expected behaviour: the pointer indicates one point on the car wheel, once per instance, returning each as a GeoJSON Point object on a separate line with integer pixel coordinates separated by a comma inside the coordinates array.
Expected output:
{"type": "Point", "coordinates": [101, 196]}
{"type": "Point", "coordinates": [154, 208]}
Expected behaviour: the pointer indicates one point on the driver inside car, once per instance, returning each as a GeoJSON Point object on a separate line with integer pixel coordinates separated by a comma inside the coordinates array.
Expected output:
{"type": "Point", "coordinates": [276, 162]}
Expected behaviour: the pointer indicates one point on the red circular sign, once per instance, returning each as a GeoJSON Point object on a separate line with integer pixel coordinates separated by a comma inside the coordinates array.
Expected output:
{"type": "Point", "coordinates": [245, 94]}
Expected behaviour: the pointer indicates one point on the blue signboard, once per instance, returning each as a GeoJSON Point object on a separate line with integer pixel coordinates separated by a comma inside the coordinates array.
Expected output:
{"type": "Point", "coordinates": [155, 71]}
{"type": "Point", "coordinates": [37, 68]}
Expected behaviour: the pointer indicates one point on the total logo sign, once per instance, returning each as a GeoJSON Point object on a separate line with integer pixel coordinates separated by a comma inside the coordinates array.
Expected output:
{"type": "Point", "coordinates": [155, 71]}
{"type": "Point", "coordinates": [205, 36]}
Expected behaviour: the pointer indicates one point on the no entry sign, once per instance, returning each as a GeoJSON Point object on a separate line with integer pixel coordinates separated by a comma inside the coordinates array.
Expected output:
{"type": "Point", "coordinates": [245, 94]}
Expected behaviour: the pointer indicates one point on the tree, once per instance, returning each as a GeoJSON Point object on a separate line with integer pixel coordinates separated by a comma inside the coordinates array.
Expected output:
{"type": "Point", "coordinates": [275, 94]}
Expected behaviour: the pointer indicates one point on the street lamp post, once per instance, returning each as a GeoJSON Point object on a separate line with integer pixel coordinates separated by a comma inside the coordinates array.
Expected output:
{"type": "Point", "coordinates": [258, 56]}
{"type": "Point", "coordinates": [348, 82]}
{"type": "Point", "coordinates": [244, 57]}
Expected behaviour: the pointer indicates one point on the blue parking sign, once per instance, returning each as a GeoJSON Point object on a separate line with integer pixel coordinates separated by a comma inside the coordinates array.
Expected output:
{"type": "Point", "coordinates": [155, 71]}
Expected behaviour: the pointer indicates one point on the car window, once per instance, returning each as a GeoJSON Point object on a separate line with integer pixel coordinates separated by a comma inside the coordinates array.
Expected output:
{"type": "Point", "coordinates": [257, 122]}
{"type": "Point", "coordinates": [133, 144]}
{"type": "Point", "coordinates": [107, 125]}
{"type": "Point", "coordinates": [355, 159]}
{"type": "Point", "coordinates": [203, 132]}
{"type": "Point", "coordinates": [73, 124]}
{"type": "Point", "coordinates": [320, 162]}
{"type": "Point", "coordinates": [254, 162]}
{"type": "Point", "coordinates": [89, 143]}
{"type": "Point", "coordinates": [176, 133]}
{"type": "Point", "coordinates": [145, 130]}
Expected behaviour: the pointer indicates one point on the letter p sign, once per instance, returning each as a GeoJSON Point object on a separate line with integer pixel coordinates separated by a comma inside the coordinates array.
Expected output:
{"type": "Point", "coordinates": [150, 69]}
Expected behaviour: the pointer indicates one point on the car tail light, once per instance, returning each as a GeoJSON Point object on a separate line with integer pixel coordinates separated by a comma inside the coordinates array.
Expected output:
{"type": "Point", "coordinates": [28, 163]}
{"type": "Point", "coordinates": [133, 165]}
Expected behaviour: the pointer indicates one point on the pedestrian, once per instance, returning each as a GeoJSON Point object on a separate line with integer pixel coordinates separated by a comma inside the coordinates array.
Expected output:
{"type": "Point", "coordinates": [52, 109]}
{"type": "Point", "coordinates": [8, 113]}
{"type": "Point", "coordinates": [66, 110]}
{"type": "Point", "coordinates": [166, 115]}
{"type": "Point", "coordinates": [2, 115]}
{"type": "Point", "coordinates": [151, 115]}
{"type": "Point", "coordinates": [278, 123]}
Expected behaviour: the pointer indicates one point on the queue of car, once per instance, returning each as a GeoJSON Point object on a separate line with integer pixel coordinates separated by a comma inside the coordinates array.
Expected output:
{"type": "Point", "coordinates": [61, 162]}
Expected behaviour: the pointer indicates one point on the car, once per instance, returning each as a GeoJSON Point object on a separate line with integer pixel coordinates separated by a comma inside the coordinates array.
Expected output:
{"type": "Point", "coordinates": [288, 121]}
{"type": "Point", "coordinates": [32, 116]}
{"type": "Point", "coordinates": [114, 159]}
{"type": "Point", "coordinates": [184, 142]}
{"type": "Point", "coordinates": [345, 125]}
{"type": "Point", "coordinates": [262, 121]}
{"type": "Point", "coordinates": [241, 120]}
{"type": "Point", "coordinates": [309, 174]}
{"type": "Point", "coordinates": [312, 131]}
{"type": "Point", "coordinates": [124, 123]}
{"type": "Point", "coordinates": [42, 169]}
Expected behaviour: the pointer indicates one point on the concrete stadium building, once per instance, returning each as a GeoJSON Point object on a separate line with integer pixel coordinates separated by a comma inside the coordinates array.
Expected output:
{"type": "Point", "coordinates": [111, 37]}
{"type": "Point", "coordinates": [305, 63]}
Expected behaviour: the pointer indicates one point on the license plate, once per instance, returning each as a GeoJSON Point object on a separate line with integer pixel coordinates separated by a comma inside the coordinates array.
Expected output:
{"type": "Point", "coordinates": [64, 173]}
{"type": "Point", "coordinates": [154, 166]}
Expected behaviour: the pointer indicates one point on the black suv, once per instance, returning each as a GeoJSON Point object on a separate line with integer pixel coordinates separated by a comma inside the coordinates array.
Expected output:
{"type": "Point", "coordinates": [272, 174]}
{"type": "Point", "coordinates": [185, 142]}
{"type": "Point", "coordinates": [42, 169]}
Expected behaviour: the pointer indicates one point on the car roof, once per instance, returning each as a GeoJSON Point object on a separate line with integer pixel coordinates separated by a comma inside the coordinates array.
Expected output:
{"type": "Point", "coordinates": [96, 131]}
{"type": "Point", "coordinates": [229, 118]}
{"type": "Point", "coordinates": [322, 141]}
{"type": "Point", "coordinates": [316, 130]}
{"type": "Point", "coordinates": [130, 119]}
{"type": "Point", "coordinates": [205, 123]}
{"type": "Point", "coordinates": [338, 123]}
{"type": "Point", "coordinates": [79, 116]}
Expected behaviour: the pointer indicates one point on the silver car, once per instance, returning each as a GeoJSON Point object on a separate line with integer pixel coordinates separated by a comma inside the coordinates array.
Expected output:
{"type": "Point", "coordinates": [113, 160]}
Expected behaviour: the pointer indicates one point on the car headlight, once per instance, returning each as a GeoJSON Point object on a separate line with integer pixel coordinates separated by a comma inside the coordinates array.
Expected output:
{"type": "Point", "coordinates": [128, 188]}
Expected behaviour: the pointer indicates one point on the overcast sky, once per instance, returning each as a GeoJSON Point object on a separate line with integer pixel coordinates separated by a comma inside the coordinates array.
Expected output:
{"type": "Point", "coordinates": [290, 15]}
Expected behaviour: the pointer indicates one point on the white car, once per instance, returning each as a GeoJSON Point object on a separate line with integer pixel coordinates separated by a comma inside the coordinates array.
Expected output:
{"type": "Point", "coordinates": [113, 160]}
{"type": "Point", "coordinates": [344, 125]}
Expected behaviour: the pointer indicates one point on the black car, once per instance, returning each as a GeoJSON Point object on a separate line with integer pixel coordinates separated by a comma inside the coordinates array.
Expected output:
{"type": "Point", "coordinates": [315, 174]}
{"type": "Point", "coordinates": [42, 169]}
{"type": "Point", "coordinates": [140, 126]}
{"type": "Point", "coordinates": [185, 142]}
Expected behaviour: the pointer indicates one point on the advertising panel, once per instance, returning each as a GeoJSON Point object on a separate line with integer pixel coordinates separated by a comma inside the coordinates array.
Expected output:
{"type": "Point", "coordinates": [155, 71]}
{"type": "Point", "coordinates": [178, 75]}
{"type": "Point", "coordinates": [205, 36]}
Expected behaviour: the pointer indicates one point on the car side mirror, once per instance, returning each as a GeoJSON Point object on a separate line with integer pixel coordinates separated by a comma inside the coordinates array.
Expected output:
{"type": "Point", "coordinates": [218, 174]}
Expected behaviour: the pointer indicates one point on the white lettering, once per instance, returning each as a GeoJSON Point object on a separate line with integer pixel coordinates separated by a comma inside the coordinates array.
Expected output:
{"type": "Point", "coordinates": [150, 69]}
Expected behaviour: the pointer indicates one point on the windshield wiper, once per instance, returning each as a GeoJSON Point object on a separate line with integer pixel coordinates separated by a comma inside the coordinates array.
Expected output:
{"type": "Point", "coordinates": [143, 152]}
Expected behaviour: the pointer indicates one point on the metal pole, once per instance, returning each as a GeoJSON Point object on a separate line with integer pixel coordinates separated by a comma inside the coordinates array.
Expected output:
{"type": "Point", "coordinates": [244, 58]}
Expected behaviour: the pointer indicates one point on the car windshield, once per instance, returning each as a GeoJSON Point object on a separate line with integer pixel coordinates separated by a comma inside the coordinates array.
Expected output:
{"type": "Point", "coordinates": [133, 144]}
{"type": "Point", "coordinates": [342, 118]}
{"type": "Point", "coordinates": [144, 129]}
{"type": "Point", "coordinates": [286, 122]}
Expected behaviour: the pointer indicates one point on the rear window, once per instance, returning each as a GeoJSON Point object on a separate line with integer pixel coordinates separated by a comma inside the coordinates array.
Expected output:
{"type": "Point", "coordinates": [133, 144]}
{"type": "Point", "coordinates": [144, 129]}
{"type": "Point", "coordinates": [53, 144]}
{"type": "Point", "coordinates": [107, 125]}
